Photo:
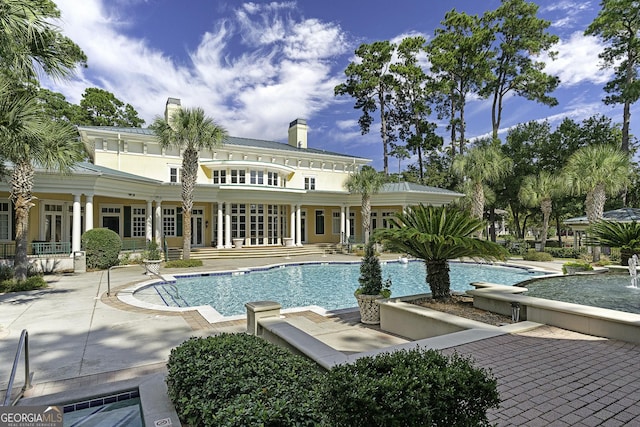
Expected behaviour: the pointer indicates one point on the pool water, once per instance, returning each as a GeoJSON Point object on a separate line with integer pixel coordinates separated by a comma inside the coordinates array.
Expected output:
{"type": "Point", "coordinates": [597, 290]}
{"type": "Point", "coordinates": [121, 410]}
{"type": "Point", "coordinates": [330, 286]}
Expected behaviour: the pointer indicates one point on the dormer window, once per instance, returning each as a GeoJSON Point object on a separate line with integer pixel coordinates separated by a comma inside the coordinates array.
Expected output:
{"type": "Point", "coordinates": [238, 176]}
{"type": "Point", "coordinates": [309, 182]}
{"type": "Point", "coordinates": [220, 177]}
{"type": "Point", "coordinates": [174, 174]}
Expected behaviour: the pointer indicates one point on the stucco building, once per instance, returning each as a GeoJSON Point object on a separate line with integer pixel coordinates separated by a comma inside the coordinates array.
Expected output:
{"type": "Point", "coordinates": [250, 192]}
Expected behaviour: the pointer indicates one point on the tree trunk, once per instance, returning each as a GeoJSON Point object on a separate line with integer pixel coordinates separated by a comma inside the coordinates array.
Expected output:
{"type": "Point", "coordinates": [366, 217]}
{"type": "Point", "coordinates": [383, 130]}
{"type": "Point", "coordinates": [545, 205]}
{"type": "Point", "coordinates": [594, 205]}
{"type": "Point", "coordinates": [189, 176]}
{"type": "Point", "coordinates": [21, 187]}
{"type": "Point", "coordinates": [438, 279]}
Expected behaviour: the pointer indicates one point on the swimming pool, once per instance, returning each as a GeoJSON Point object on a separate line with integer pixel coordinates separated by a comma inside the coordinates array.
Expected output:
{"type": "Point", "coordinates": [328, 285]}
{"type": "Point", "coordinates": [606, 290]}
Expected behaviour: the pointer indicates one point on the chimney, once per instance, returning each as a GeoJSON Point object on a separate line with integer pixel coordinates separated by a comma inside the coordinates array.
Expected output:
{"type": "Point", "coordinates": [298, 133]}
{"type": "Point", "coordinates": [173, 105]}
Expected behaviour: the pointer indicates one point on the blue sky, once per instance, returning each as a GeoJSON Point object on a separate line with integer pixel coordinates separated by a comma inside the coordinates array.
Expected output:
{"type": "Point", "coordinates": [256, 66]}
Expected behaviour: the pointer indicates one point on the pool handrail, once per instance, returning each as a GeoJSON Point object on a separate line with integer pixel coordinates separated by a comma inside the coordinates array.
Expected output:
{"type": "Point", "coordinates": [22, 344]}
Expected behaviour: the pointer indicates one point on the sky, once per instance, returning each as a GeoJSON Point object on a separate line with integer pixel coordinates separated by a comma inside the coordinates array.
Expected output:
{"type": "Point", "coordinates": [256, 66]}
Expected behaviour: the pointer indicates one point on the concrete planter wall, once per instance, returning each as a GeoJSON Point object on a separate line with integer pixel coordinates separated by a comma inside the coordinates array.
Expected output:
{"type": "Point", "coordinates": [399, 316]}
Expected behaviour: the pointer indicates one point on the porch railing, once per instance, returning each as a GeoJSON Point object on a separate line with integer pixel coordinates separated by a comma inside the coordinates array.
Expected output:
{"type": "Point", "coordinates": [37, 249]}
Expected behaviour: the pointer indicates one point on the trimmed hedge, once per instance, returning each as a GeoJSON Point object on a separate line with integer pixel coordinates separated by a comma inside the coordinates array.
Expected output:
{"type": "Point", "coordinates": [241, 380]}
{"type": "Point", "coordinates": [102, 247]}
{"type": "Point", "coordinates": [32, 283]}
{"type": "Point", "coordinates": [537, 256]}
{"type": "Point", "coordinates": [183, 263]}
{"type": "Point", "coordinates": [409, 388]}
{"type": "Point", "coordinates": [563, 252]}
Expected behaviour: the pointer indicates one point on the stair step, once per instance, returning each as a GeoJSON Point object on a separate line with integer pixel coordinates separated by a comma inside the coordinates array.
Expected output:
{"type": "Point", "coordinates": [255, 252]}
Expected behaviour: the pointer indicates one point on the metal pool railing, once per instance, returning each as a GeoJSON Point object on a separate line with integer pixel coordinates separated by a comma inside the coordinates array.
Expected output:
{"type": "Point", "coordinates": [23, 344]}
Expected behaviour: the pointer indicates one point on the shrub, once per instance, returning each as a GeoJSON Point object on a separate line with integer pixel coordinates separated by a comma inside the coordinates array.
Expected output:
{"type": "Point", "coordinates": [152, 252]}
{"type": "Point", "coordinates": [32, 283]}
{"type": "Point", "coordinates": [409, 388]}
{"type": "Point", "coordinates": [239, 380]}
{"type": "Point", "coordinates": [183, 263]}
{"type": "Point", "coordinates": [576, 265]}
{"type": "Point", "coordinates": [516, 246]}
{"type": "Point", "coordinates": [370, 279]}
{"type": "Point", "coordinates": [102, 247]}
{"type": "Point", "coordinates": [563, 252]}
{"type": "Point", "coordinates": [537, 256]}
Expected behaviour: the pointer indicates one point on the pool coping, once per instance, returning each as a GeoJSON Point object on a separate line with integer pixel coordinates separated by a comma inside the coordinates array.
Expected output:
{"type": "Point", "coordinates": [211, 315]}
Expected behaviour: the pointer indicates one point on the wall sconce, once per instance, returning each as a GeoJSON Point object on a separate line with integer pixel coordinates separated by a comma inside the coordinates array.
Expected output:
{"type": "Point", "coordinates": [206, 224]}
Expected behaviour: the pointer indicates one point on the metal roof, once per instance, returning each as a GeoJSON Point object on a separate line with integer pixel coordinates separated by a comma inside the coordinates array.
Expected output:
{"type": "Point", "coordinates": [231, 140]}
{"type": "Point", "coordinates": [619, 215]}
{"type": "Point", "coordinates": [404, 187]}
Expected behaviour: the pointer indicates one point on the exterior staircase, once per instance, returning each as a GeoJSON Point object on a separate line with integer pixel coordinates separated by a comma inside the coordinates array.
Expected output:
{"type": "Point", "coordinates": [257, 251]}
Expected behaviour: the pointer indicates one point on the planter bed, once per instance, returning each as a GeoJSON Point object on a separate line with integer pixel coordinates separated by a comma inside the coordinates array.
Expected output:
{"type": "Point", "coordinates": [400, 316]}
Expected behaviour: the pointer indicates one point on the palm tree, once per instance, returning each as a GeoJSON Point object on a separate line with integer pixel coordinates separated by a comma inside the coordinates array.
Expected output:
{"type": "Point", "coordinates": [189, 130]}
{"type": "Point", "coordinates": [480, 165]}
{"type": "Point", "coordinates": [29, 140]}
{"type": "Point", "coordinates": [597, 170]}
{"type": "Point", "coordinates": [30, 41]}
{"type": "Point", "coordinates": [436, 235]}
{"type": "Point", "coordinates": [366, 182]}
{"type": "Point", "coordinates": [623, 235]}
{"type": "Point", "coordinates": [539, 191]}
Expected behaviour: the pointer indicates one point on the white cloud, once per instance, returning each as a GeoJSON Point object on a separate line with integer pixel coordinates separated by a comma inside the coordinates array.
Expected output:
{"type": "Point", "coordinates": [577, 61]}
{"type": "Point", "coordinates": [284, 71]}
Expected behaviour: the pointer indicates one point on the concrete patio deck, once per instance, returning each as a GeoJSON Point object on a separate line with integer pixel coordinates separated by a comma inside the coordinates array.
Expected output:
{"type": "Point", "coordinates": [81, 340]}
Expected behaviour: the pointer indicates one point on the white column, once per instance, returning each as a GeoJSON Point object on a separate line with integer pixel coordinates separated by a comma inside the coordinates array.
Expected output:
{"type": "Point", "coordinates": [227, 225]}
{"type": "Point", "coordinates": [298, 227]}
{"type": "Point", "coordinates": [277, 231]}
{"type": "Point", "coordinates": [219, 227]}
{"type": "Point", "coordinates": [148, 231]}
{"type": "Point", "coordinates": [342, 225]}
{"type": "Point", "coordinates": [88, 213]}
{"type": "Point", "coordinates": [76, 226]}
{"type": "Point", "coordinates": [292, 222]}
{"type": "Point", "coordinates": [158, 231]}
{"type": "Point", "coordinates": [347, 223]}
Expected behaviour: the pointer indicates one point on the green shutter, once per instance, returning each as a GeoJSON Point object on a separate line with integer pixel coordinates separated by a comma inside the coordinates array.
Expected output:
{"type": "Point", "coordinates": [179, 222]}
{"type": "Point", "coordinates": [127, 221]}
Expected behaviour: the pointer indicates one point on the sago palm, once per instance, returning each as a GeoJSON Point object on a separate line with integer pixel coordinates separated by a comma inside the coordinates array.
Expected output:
{"type": "Point", "coordinates": [597, 170]}
{"type": "Point", "coordinates": [437, 235]}
{"type": "Point", "coordinates": [189, 130]}
{"type": "Point", "coordinates": [623, 235]}
{"type": "Point", "coordinates": [539, 191]}
{"type": "Point", "coordinates": [366, 182]}
{"type": "Point", "coordinates": [29, 140]}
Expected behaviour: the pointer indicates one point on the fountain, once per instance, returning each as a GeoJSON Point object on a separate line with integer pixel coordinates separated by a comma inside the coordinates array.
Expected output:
{"type": "Point", "coordinates": [633, 271]}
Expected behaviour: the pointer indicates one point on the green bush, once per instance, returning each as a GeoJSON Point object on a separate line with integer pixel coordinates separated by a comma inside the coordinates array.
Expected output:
{"type": "Point", "coordinates": [563, 252]}
{"type": "Point", "coordinates": [240, 380]}
{"type": "Point", "coordinates": [579, 265]}
{"type": "Point", "coordinates": [537, 256]}
{"type": "Point", "coordinates": [152, 252]}
{"type": "Point", "coordinates": [409, 388]}
{"type": "Point", "coordinates": [516, 246]}
{"type": "Point", "coordinates": [183, 263]}
{"type": "Point", "coordinates": [102, 247]}
{"type": "Point", "coordinates": [370, 279]}
{"type": "Point", "coordinates": [32, 283]}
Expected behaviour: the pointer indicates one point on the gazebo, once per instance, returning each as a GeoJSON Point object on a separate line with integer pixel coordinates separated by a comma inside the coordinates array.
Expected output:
{"type": "Point", "coordinates": [579, 224]}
